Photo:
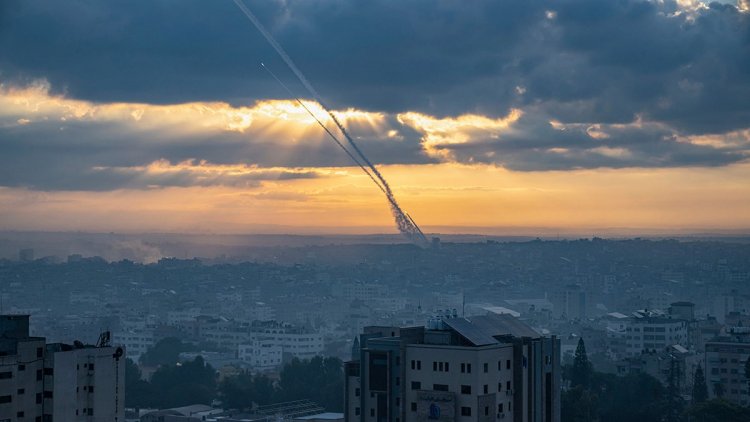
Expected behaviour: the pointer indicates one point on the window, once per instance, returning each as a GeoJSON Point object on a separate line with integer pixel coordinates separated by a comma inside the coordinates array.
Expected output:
{"type": "Point", "coordinates": [398, 401]}
{"type": "Point", "coordinates": [440, 387]}
{"type": "Point", "coordinates": [463, 368]}
{"type": "Point", "coordinates": [416, 385]}
{"type": "Point", "coordinates": [499, 365]}
{"type": "Point", "coordinates": [20, 414]}
{"type": "Point", "coordinates": [465, 389]}
{"type": "Point", "coordinates": [6, 399]}
{"type": "Point", "coordinates": [38, 398]}
{"type": "Point", "coordinates": [440, 366]}
{"type": "Point", "coordinates": [486, 367]}
{"type": "Point", "coordinates": [465, 411]}
{"type": "Point", "coordinates": [413, 364]}
{"type": "Point", "coordinates": [91, 368]}
{"type": "Point", "coordinates": [398, 381]}
{"type": "Point", "coordinates": [356, 411]}
{"type": "Point", "coordinates": [446, 367]}
{"type": "Point", "coordinates": [486, 389]}
{"type": "Point", "coordinates": [90, 411]}
{"type": "Point", "coordinates": [398, 360]}
{"type": "Point", "coordinates": [486, 410]}
{"type": "Point", "coordinates": [39, 352]}
{"type": "Point", "coordinates": [507, 364]}
{"type": "Point", "coordinates": [372, 413]}
{"type": "Point", "coordinates": [434, 366]}
{"type": "Point", "coordinates": [413, 406]}
{"type": "Point", "coordinates": [48, 371]}
{"type": "Point", "coordinates": [21, 391]}
{"type": "Point", "coordinates": [499, 387]}
{"type": "Point", "coordinates": [500, 408]}
{"type": "Point", "coordinates": [47, 394]}
{"type": "Point", "coordinates": [6, 375]}
{"type": "Point", "coordinates": [507, 385]}
{"type": "Point", "coordinates": [21, 367]}
{"type": "Point", "coordinates": [39, 375]}
{"type": "Point", "coordinates": [468, 368]}
{"type": "Point", "coordinates": [356, 392]}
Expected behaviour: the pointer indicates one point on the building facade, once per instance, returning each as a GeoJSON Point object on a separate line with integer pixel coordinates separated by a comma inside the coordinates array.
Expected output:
{"type": "Point", "coordinates": [58, 382]}
{"type": "Point", "coordinates": [725, 365]}
{"type": "Point", "coordinates": [654, 333]}
{"type": "Point", "coordinates": [485, 368]}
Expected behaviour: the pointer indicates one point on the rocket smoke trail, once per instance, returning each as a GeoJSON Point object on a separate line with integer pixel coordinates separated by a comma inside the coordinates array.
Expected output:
{"type": "Point", "coordinates": [405, 224]}
{"type": "Point", "coordinates": [325, 128]}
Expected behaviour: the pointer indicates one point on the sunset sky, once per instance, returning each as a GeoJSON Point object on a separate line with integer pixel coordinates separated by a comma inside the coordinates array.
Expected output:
{"type": "Point", "coordinates": [513, 116]}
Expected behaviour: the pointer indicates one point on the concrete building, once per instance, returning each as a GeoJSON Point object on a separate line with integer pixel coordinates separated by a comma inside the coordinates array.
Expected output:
{"type": "Point", "coordinates": [261, 355]}
{"type": "Point", "coordinates": [21, 370]}
{"type": "Point", "coordinates": [646, 332]}
{"type": "Point", "coordinates": [482, 368]}
{"type": "Point", "coordinates": [725, 365]}
{"type": "Point", "coordinates": [570, 302]}
{"type": "Point", "coordinates": [58, 382]}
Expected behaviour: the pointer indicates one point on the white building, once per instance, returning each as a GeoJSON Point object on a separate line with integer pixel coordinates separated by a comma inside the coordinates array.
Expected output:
{"type": "Point", "coordinates": [262, 355]}
{"type": "Point", "coordinates": [654, 333]}
{"type": "Point", "coordinates": [58, 382]}
{"type": "Point", "coordinates": [136, 341]}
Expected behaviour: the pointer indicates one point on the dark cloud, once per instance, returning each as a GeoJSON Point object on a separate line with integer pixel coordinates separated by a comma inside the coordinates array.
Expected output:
{"type": "Point", "coordinates": [575, 61]}
{"type": "Point", "coordinates": [105, 155]}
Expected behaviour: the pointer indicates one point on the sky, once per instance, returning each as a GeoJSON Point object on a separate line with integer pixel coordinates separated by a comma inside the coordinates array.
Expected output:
{"type": "Point", "coordinates": [501, 116]}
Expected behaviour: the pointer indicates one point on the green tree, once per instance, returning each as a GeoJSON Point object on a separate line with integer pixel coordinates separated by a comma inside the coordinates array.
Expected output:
{"type": "Point", "coordinates": [579, 405]}
{"type": "Point", "coordinates": [581, 371]}
{"type": "Point", "coordinates": [700, 389]}
{"type": "Point", "coordinates": [138, 392]}
{"type": "Point", "coordinates": [192, 382]}
{"type": "Point", "coordinates": [165, 352]}
{"type": "Point", "coordinates": [718, 410]}
{"type": "Point", "coordinates": [237, 391]}
{"type": "Point", "coordinates": [244, 390]}
{"type": "Point", "coordinates": [674, 404]}
{"type": "Point", "coordinates": [318, 379]}
{"type": "Point", "coordinates": [633, 397]}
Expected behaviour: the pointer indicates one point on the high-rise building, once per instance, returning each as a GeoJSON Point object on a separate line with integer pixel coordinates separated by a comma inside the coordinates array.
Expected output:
{"type": "Point", "coordinates": [483, 368]}
{"type": "Point", "coordinates": [58, 382]}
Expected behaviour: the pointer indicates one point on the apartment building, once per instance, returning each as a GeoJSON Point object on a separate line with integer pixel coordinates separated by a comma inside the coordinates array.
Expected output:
{"type": "Point", "coordinates": [58, 382]}
{"type": "Point", "coordinates": [725, 365]}
{"type": "Point", "coordinates": [654, 333]}
{"type": "Point", "coordinates": [483, 368]}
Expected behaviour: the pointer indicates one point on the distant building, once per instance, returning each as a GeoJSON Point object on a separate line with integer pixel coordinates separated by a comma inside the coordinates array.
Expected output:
{"type": "Point", "coordinates": [482, 368]}
{"type": "Point", "coordinates": [725, 365]}
{"type": "Point", "coordinates": [647, 332]}
{"type": "Point", "coordinates": [570, 302]}
{"type": "Point", "coordinates": [57, 382]}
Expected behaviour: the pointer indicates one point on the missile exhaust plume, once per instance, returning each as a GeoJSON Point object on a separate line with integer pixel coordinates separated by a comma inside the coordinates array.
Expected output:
{"type": "Point", "coordinates": [404, 223]}
{"type": "Point", "coordinates": [328, 131]}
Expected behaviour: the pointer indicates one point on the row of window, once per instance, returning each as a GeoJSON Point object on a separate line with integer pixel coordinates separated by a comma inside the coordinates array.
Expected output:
{"type": "Point", "coordinates": [465, 367]}
{"type": "Point", "coordinates": [465, 389]}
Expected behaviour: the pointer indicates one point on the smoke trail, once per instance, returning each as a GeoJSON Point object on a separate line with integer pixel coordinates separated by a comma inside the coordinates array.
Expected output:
{"type": "Point", "coordinates": [328, 131]}
{"type": "Point", "coordinates": [404, 223]}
